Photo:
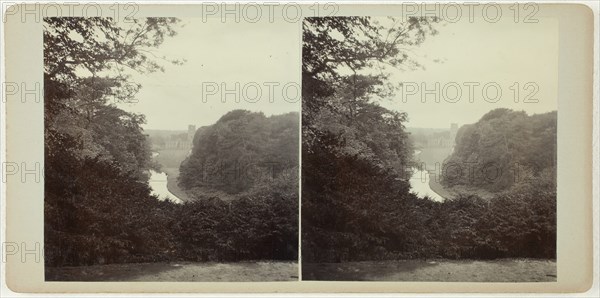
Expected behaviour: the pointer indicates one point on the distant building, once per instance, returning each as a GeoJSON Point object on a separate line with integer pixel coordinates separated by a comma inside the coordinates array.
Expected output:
{"type": "Point", "coordinates": [181, 140]}
{"type": "Point", "coordinates": [439, 141]}
{"type": "Point", "coordinates": [176, 143]}
{"type": "Point", "coordinates": [191, 134]}
{"type": "Point", "coordinates": [453, 132]}
{"type": "Point", "coordinates": [442, 139]}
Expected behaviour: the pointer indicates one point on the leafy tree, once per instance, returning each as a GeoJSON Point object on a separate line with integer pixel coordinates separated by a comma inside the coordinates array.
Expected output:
{"type": "Point", "coordinates": [505, 149]}
{"type": "Point", "coordinates": [243, 174]}
{"type": "Point", "coordinates": [98, 207]}
{"type": "Point", "coordinates": [240, 150]}
{"type": "Point", "coordinates": [355, 152]}
{"type": "Point", "coordinates": [356, 200]}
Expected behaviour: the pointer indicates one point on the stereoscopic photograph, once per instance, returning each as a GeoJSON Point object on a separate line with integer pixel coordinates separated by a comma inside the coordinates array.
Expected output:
{"type": "Point", "coordinates": [429, 149]}
{"type": "Point", "coordinates": [312, 148]}
{"type": "Point", "coordinates": [171, 150]}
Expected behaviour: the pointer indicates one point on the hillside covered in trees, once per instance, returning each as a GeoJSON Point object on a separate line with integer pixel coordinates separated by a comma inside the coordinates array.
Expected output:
{"type": "Point", "coordinates": [243, 175]}
{"type": "Point", "coordinates": [242, 150]}
{"type": "Point", "coordinates": [505, 149]}
{"type": "Point", "coordinates": [357, 204]}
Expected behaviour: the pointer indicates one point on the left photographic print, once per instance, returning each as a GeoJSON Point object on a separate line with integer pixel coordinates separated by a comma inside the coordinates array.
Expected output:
{"type": "Point", "coordinates": [171, 150]}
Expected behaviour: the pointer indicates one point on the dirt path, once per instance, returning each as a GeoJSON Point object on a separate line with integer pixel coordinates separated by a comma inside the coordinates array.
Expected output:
{"type": "Point", "coordinates": [185, 272]}
{"type": "Point", "coordinates": [505, 270]}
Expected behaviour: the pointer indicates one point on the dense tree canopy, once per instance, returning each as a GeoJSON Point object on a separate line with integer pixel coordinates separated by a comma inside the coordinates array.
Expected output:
{"type": "Point", "coordinates": [354, 151]}
{"type": "Point", "coordinates": [505, 149]}
{"type": "Point", "coordinates": [240, 150]}
{"type": "Point", "coordinates": [85, 63]}
{"type": "Point", "coordinates": [250, 161]}
{"type": "Point", "coordinates": [356, 201]}
{"type": "Point", "coordinates": [98, 206]}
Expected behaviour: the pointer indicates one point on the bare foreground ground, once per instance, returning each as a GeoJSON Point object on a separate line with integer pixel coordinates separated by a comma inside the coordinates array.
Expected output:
{"type": "Point", "coordinates": [184, 271]}
{"type": "Point", "coordinates": [505, 270]}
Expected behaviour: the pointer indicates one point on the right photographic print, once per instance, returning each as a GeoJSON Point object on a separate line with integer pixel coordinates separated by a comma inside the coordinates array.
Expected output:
{"type": "Point", "coordinates": [429, 148]}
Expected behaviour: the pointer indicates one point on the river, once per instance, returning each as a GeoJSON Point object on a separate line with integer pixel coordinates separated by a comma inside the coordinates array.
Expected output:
{"type": "Point", "coordinates": [158, 184]}
{"type": "Point", "coordinates": [419, 183]}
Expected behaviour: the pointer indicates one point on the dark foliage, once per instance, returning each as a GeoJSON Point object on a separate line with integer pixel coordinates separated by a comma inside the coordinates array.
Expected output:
{"type": "Point", "coordinates": [504, 149]}
{"type": "Point", "coordinates": [353, 211]}
{"type": "Point", "coordinates": [96, 214]}
{"type": "Point", "coordinates": [243, 229]}
{"type": "Point", "coordinates": [253, 160]}
{"type": "Point", "coordinates": [98, 206]}
{"type": "Point", "coordinates": [241, 150]}
{"type": "Point", "coordinates": [356, 201]}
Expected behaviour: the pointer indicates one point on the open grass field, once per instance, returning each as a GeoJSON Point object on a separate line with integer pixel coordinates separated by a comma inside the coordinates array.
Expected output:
{"type": "Point", "coordinates": [185, 271]}
{"type": "Point", "coordinates": [504, 270]}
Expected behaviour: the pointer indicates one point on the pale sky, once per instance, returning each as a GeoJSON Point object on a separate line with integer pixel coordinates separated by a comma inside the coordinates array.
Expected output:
{"type": "Point", "coordinates": [270, 53]}
{"type": "Point", "coordinates": [505, 52]}
{"type": "Point", "coordinates": [221, 53]}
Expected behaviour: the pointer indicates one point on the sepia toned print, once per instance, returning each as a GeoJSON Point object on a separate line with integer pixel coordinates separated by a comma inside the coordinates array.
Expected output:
{"type": "Point", "coordinates": [429, 150]}
{"type": "Point", "coordinates": [163, 159]}
{"type": "Point", "coordinates": [153, 148]}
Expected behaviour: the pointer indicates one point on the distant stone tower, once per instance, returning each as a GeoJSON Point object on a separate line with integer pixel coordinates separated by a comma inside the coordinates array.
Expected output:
{"type": "Point", "coordinates": [191, 133]}
{"type": "Point", "coordinates": [453, 131]}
